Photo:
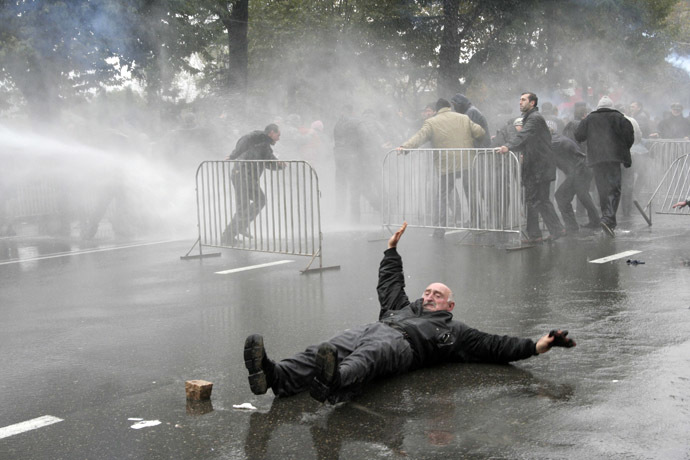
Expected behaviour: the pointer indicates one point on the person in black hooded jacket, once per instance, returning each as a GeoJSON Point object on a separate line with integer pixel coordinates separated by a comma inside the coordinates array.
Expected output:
{"type": "Point", "coordinates": [609, 136]}
{"type": "Point", "coordinates": [408, 335]}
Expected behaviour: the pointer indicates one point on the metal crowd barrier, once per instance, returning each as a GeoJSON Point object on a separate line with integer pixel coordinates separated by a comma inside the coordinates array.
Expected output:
{"type": "Point", "coordinates": [50, 202]}
{"type": "Point", "coordinates": [255, 205]}
{"type": "Point", "coordinates": [454, 189]}
{"type": "Point", "coordinates": [653, 166]}
{"type": "Point", "coordinates": [673, 187]}
{"type": "Point", "coordinates": [31, 200]}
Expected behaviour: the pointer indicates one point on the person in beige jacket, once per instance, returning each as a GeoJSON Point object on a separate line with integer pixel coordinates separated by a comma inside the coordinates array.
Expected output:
{"type": "Point", "coordinates": [447, 130]}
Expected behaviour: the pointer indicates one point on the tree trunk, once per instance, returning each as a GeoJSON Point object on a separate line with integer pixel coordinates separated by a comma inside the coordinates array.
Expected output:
{"type": "Point", "coordinates": [449, 52]}
{"type": "Point", "coordinates": [237, 24]}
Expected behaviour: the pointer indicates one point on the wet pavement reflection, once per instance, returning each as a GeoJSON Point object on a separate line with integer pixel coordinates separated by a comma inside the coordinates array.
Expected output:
{"type": "Point", "coordinates": [100, 334]}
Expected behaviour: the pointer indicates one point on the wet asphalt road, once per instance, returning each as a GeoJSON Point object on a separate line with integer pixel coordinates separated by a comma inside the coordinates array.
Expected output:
{"type": "Point", "coordinates": [103, 334]}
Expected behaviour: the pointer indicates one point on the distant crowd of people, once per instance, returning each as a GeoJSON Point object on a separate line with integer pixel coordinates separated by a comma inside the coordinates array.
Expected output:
{"type": "Point", "coordinates": [598, 143]}
{"type": "Point", "coordinates": [346, 150]}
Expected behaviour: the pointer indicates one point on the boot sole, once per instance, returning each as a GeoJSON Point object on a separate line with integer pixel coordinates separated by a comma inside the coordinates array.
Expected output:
{"type": "Point", "coordinates": [253, 356]}
{"type": "Point", "coordinates": [326, 358]}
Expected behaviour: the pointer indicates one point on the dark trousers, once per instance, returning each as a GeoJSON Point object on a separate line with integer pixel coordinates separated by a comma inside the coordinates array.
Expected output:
{"type": "Point", "coordinates": [364, 353]}
{"type": "Point", "coordinates": [445, 189]}
{"type": "Point", "coordinates": [249, 200]}
{"type": "Point", "coordinates": [538, 203]}
{"type": "Point", "coordinates": [607, 177]}
{"type": "Point", "coordinates": [576, 183]}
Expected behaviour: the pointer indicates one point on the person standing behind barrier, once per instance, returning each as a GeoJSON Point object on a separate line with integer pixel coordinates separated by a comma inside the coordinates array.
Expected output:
{"type": "Point", "coordinates": [463, 105]}
{"type": "Point", "coordinates": [428, 111]}
{"type": "Point", "coordinates": [249, 198]}
{"type": "Point", "coordinates": [538, 170]}
{"type": "Point", "coordinates": [674, 127]}
{"type": "Point", "coordinates": [507, 133]}
{"type": "Point", "coordinates": [503, 136]}
{"type": "Point", "coordinates": [550, 113]}
{"type": "Point", "coordinates": [571, 161]}
{"type": "Point", "coordinates": [609, 136]}
{"type": "Point", "coordinates": [354, 164]}
{"type": "Point", "coordinates": [642, 118]}
{"type": "Point", "coordinates": [446, 130]}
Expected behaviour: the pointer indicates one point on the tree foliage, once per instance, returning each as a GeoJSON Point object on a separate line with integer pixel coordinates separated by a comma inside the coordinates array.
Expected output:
{"type": "Point", "coordinates": [297, 55]}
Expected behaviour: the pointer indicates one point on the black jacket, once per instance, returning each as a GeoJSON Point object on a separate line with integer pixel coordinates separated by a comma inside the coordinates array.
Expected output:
{"type": "Point", "coordinates": [534, 141]}
{"type": "Point", "coordinates": [254, 146]}
{"type": "Point", "coordinates": [463, 105]}
{"type": "Point", "coordinates": [609, 136]}
{"type": "Point", "coordinates": [435, 337]}
{"type": "Point", "coordinates": [674, 127]}
{"type": "Point", "coordinates": [505, 135]}
{"type": "Point", "coordinates": [567, 154]}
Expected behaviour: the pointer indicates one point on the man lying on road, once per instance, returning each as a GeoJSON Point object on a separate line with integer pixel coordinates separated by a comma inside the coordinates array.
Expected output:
{"type": "Point", "coordinates": [407, 336]}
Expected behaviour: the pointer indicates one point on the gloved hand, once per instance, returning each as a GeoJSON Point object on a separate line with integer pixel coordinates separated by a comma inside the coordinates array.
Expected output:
{"type": "Point", "coordinates": [560, 339]}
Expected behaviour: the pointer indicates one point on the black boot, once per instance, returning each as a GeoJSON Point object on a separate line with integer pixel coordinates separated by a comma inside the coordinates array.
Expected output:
{"type": "Point", "coordinates": [327, 378]}
{"type": "Point", "coordinates": [259, 366]}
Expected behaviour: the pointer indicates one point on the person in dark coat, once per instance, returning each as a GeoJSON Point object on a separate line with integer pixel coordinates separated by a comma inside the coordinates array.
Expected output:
{"type": "Point", "coordinates": [571, 161]}
{"type": "Point", "coordinates": [245, 178]}
{"type": "Point", "coordinates": [357, 148]}
{"type": "Point", "coordinates": [674, 127]}
{"type": "Point", "coordinates": [609, 136]}
{"type": "Point", "coordinates": [538, 170]}
{"type": "Point", "coordinates": [407, 336]}
{"type": "Point", "coordinates": [462, 104]}
{"type": "Point", "coordinates": [579, 113]}
{"type": "Point", "coordinates": [507, 133]}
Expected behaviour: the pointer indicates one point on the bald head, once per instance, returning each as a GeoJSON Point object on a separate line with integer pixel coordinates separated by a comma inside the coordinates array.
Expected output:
{"type": "Point", "coordinates": [438, 297]}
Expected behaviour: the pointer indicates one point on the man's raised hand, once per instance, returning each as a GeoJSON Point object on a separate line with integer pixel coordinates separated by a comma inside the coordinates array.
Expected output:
{"type": "Point", "coordinates": [393, 241]}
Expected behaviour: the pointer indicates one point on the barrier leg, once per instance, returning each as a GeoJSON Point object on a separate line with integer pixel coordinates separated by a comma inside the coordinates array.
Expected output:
{"type": "Point", "coordinates": [647, 218]}
{"type": "Point", "coordinates": [321, 268]}
{"type": "Point", "coordinates": [201, 254]}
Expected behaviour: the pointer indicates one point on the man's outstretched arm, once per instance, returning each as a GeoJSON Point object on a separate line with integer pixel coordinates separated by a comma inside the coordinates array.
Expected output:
{"type": "Point", "coordinates": [473, 345]}
{"type": "Point", "coordinates": [391, 285]}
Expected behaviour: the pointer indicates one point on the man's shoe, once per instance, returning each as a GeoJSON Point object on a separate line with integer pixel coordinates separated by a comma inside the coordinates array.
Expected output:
{"type": "Point", "coordinates": [259, 366]}
{"type": "Point", "coordinates": [327, 378]}
{"type": "Point", "coordinates": [608, 230]}
{"type": "Point", "coordinates": [245, 233]}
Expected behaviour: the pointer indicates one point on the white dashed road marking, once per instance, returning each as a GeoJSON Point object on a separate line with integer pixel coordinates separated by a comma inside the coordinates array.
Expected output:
{"type": "Point", "coordinates": [85, 251]}
{"type": "Point", "coordinates": [620, 255]}
{"type": "Point", "coordinates": [29, 425]}
{"type": "Point", "coordinates": [254, 267]}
